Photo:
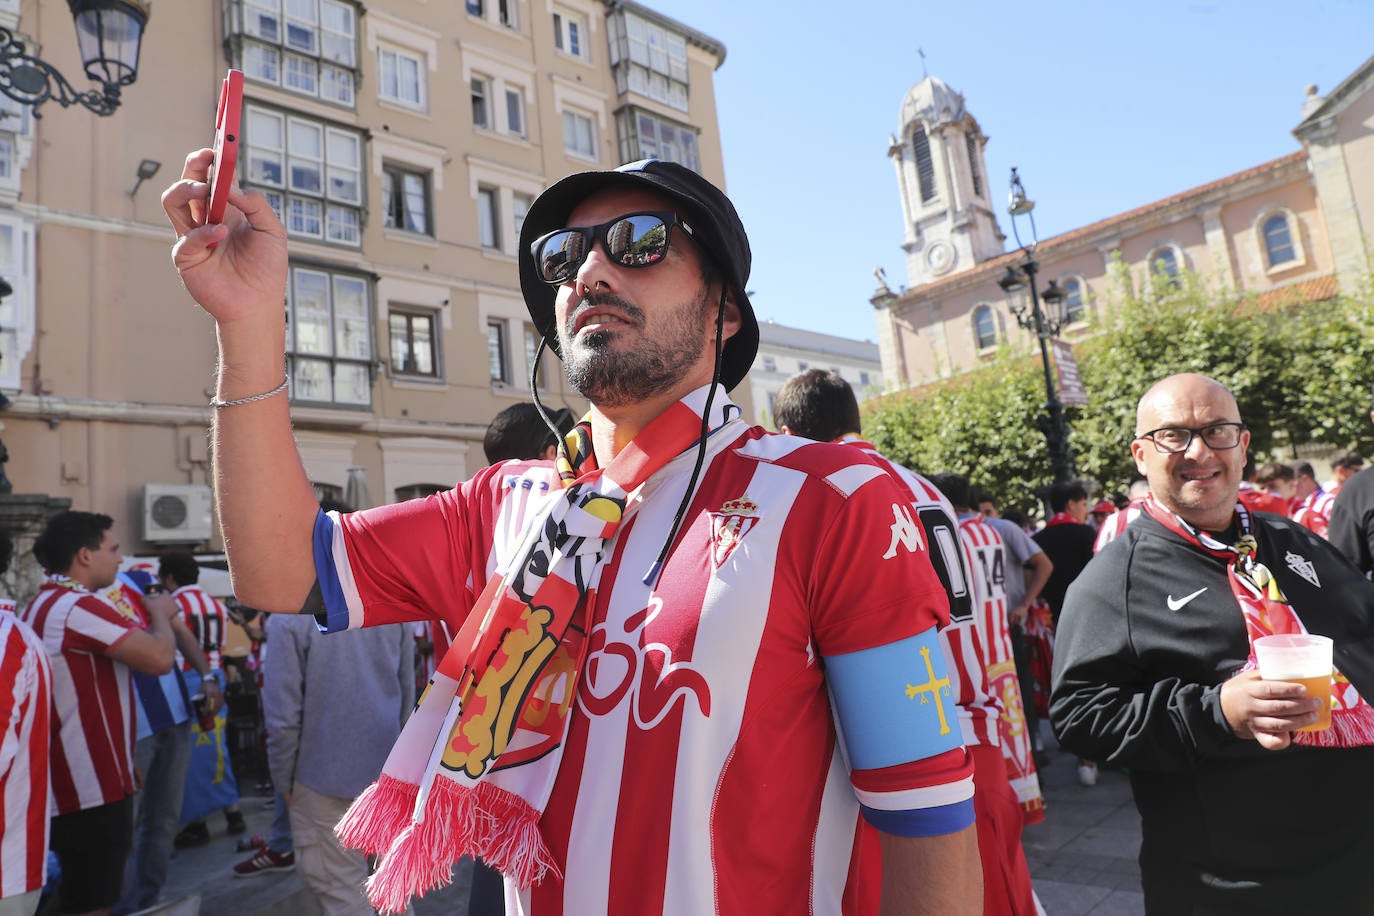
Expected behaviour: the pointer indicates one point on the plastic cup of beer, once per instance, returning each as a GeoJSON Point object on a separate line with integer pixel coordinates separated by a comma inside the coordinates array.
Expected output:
{"type": "Point", "coordinates": [1302, 658]}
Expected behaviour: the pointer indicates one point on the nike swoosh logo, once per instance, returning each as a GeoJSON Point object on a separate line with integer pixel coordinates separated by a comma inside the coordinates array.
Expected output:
{"type": "Point", "coordinates": [1177, 603]}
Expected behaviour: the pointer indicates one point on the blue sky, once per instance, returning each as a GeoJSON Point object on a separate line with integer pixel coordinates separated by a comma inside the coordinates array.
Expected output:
{"type": "Point", "coordinates": [1103, 106]}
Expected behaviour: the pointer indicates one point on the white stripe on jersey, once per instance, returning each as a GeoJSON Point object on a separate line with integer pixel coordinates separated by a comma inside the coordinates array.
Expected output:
{"type": "Point", "coordinates": [925, 797]}
{"type": "Point", "coordinates": [24, 828]}
{"type": "Point", "coordinates": [339, 550]}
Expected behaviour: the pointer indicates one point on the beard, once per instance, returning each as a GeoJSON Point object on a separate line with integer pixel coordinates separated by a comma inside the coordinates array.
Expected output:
{"type": "Point", "coordinates": [618, 378]}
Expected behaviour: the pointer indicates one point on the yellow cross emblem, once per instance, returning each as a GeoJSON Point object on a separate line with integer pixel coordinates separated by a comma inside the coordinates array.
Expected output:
{"type": "Point", "coordinates": [932, 686]}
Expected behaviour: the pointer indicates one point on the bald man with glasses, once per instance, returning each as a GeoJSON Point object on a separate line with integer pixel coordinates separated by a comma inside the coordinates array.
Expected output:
{"type": "Point", "coordinates": [1154, 672]}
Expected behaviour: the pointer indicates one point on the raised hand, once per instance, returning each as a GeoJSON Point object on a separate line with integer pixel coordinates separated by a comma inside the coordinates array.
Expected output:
{"type": "Point", "coordinates": [236, 270]}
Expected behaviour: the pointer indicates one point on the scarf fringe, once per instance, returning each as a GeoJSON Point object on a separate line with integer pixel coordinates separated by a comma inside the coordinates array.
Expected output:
{"type": "Point", "coordinates": [496, 825]}
{"type": "Point", "coordinates": [1349, 728]}
{"type": "Point", "coordinates": [516, 849]}
{"type": "Point", "coordinates": [378, 816]}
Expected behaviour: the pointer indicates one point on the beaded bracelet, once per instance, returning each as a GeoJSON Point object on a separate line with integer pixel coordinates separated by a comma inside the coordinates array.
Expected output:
{"type": "Point", "coordinates": [220, 405]}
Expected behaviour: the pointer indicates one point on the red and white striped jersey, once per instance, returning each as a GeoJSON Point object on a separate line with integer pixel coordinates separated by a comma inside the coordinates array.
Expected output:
{"type": "Point", "coordinates": [704, 770]}
{"type": "Point", "coordinates": [987, 568]}
{"type": "Point", "coordinates": [1314, 511]}
{"type": "Point", "coordinates": [204, 615]}
{"type": "Point", "coordinates": [93, 723]}
{"type": "Point", "coordinates": [25, 708]}
{"type": "Point", "coordinates": [963, 641]}
{"type": "Point", "coordinates": [1114, 524]}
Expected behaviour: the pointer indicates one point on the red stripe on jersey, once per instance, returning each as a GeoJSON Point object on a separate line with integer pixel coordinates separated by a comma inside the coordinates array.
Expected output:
{"type": "Point", "coordinates": [934, 771]}
{"type": "Point", "coordinates": [25, 705]}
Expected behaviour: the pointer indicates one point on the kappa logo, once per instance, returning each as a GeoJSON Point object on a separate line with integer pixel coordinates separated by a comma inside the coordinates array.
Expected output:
{"type": "Point", "coordinates": [1303, 567]}
{"type": "Point", "coordinates": [905, 531]}
{"type": "Point", "coordinates": [729, 525]}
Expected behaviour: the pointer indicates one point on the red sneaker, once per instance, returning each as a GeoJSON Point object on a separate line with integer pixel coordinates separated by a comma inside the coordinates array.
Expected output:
{"type": "Point", "coordinates": [265, 861]}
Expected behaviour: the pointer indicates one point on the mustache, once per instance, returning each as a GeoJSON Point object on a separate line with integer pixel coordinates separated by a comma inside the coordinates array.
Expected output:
{"type": "Point", "coordinates": [595, 300]}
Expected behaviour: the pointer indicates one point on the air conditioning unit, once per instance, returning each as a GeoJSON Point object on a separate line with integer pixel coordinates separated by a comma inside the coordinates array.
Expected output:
{"type": "Point", "coordinates": [176, 513]}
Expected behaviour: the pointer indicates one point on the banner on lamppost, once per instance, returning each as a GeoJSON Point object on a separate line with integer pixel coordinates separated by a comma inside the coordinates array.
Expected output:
{"type": "Point", "coordinates": [1071, 390]}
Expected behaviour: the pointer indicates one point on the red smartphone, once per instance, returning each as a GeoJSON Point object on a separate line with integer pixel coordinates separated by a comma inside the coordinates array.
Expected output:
{"type": "Point", "coordinates": [221, 172]}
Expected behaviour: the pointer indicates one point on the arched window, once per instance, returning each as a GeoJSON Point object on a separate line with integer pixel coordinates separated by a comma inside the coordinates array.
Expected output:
{"type": "Point", "coordinates": [925, 165]}
{"type": "Point", "coordinates": [1075, 300]}
{"type": "Point", "coordinates": [1164, 264]}
{"type": "Point", "coordinates": [984, 327]}
{"type": "Point", "coordinates": [1278, 240]}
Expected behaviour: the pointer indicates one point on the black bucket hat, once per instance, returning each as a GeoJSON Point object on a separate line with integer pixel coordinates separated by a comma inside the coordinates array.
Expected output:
{"type": "Point", "coordinates": [700, 204]}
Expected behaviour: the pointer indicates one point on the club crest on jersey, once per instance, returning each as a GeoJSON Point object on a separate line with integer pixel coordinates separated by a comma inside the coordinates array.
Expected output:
{"type": "Point", "coordinates": [729, 524]}
{"type": "Point", "coordinates": [1303, 567]}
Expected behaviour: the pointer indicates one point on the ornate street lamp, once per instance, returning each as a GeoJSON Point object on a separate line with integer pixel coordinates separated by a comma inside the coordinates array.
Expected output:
{"type": "Point", "coordinates": [1027, 309]}
{"type": "Point", "coordinates": [109, 34]}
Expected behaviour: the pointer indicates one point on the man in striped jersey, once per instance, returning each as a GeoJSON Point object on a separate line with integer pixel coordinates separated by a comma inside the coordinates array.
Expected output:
{"type": "Point", "coordinates": [748, 709]}
{"type": "Point", "coordinates": [92, 645]}
{"type": "Point", "coordinates": [821, 405]}
{"type": "Point", "coordinates": [25, 708]}
{"type": "Point", "coordinates": [1311, 503]}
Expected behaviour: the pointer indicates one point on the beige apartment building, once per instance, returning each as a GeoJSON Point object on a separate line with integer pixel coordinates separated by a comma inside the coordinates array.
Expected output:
{"type": "Point", "coordinates": [1292, 228]}
{"type": "Point", "coordinates": [402, 142]}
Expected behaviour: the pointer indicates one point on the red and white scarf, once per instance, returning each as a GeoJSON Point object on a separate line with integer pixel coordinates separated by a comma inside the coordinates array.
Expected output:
{"type": "Point", "coordinates": [1061, 518]}
{"type": "Point", "coordinates": [1268, 612]}
{"type": "Point", "coordinates": [476, 762]}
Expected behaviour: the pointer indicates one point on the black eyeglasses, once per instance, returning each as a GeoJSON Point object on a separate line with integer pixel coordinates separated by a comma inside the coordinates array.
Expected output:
{"type": "Point", "coordinates": [1170, 440]}
{"type": "Point", "coordinates": [633, 240]}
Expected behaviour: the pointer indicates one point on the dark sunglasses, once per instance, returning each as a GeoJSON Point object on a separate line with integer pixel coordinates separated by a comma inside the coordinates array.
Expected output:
{"type": "Point", "coordinates": [633, 240]}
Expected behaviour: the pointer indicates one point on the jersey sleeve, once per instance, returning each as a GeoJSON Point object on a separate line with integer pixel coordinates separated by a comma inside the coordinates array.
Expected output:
{"type": "Point", "coordinates": [96, 626]}
{"type": "Point", "coordinates": [421, 559]}
{"type": "Point", "coordinates": [877, 603]}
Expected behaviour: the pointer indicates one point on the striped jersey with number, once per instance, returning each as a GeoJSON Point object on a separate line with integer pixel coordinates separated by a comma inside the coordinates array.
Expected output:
{"type": "Point", "coordinates": [963, 641]}
{"type": "Point", "coordinates": [716, 761]}
{"type": "Point", "coordinates": [204, 615]}
{"type": "Point", "coordinates": [92, 699]}
{"type": "Point", "coordinates": [25, 709]}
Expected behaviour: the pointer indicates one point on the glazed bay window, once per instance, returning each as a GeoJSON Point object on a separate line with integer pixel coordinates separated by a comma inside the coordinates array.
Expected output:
{"type": "Point", "coordinates": [648, 59]}
{"type": "Point", "coordinates": [303, 46]}
{"type": "Point", "coordinates": [414, 343]}
{"type": "Point", "coordinates": [329, 337]}
{"type": "Point", "coordinates": [405, 195]}
{"type": "Point", "coordinates": [310, 171]}
{"type": "Point", "coordinates": [644, 136]}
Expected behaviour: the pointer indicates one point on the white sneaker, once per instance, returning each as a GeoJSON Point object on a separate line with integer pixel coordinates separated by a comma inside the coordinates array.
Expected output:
{"type": "Point", "coordinates": [1087, 773]}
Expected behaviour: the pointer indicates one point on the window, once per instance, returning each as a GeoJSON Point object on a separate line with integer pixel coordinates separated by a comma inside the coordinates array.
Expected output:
{"type": "Point", "coordinates": [973, 168]}
{"type": "Point", "coordinates": [531, 349]}
{"type": "Point", "coordinates": [644, 136]}
{"type": "Point", "coordinates": [329, 340]}
{"type": "Point", "coordinates": [489, 217]}
{"type": "Point", "coordinates": [405, 195]}
{"type": "Point", "coordinates": [770, 364]}
{"type": "Point", "coordinates": [414, 343]}
{"type": "Point", "coordinates": [515, 112]}
{"type": "Point", "coordinates": [419, 491]}
{"type": "Point", "coordinates": [497, 362]}
{"type": "Point", "coordinates": [304, 46]}
{"type": "Point", "coordinates": [1075, 307]}
{"type": "Point", "coordinates": [1164, 264]}
{"type": "Point", "coordinates": [569, 30]}
{"type": "Point", "coordinates": [310, 171]}
{"type": "Point", "coordinates": [579, 135]}
{"type": "Point", "coordinates": [497, 12]}
{"type": "Point", "coordinates": [648, 59]}
{"type": "Point", "coordinates": [864, 379]}
{"type": "Point", "coordinates": [1278, 241]}
{"type": "Point", "coordinates": [984, 327]}
{"type": "Point", "coordinates": [401, 77]}
{"type": "Point", "coordinates": [925, 165]}
{"type": "Point", "coordinates": [481, 102]}
{"type": "Point", "coordinates": [520, 206]}
{"type": "Point", "coordinates": [17, 317]}
{"type": "Point", "coordinates": [802, 367]}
